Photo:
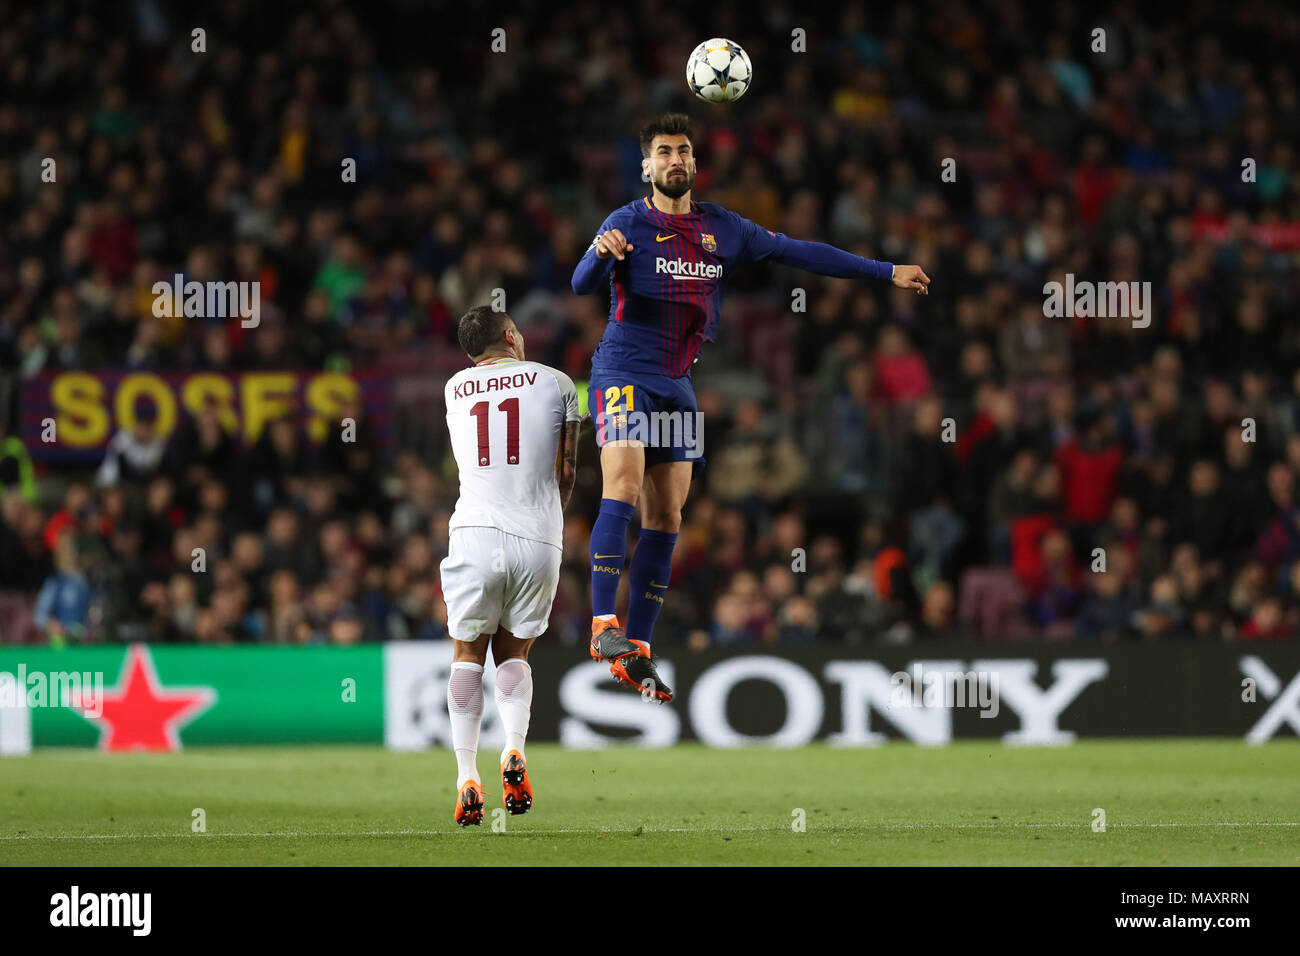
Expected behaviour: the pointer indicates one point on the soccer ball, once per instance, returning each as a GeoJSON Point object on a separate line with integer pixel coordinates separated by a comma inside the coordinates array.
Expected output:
{"type": "Point", "coordinates": [718, 71]}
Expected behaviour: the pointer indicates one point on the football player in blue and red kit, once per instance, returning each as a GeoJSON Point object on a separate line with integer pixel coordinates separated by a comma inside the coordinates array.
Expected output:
{"type": "Point", "coordinates": [665, 258]}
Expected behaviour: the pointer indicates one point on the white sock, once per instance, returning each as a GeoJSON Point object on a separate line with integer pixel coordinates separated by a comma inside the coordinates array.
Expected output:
{"type": "Point", "coordinates": [514, 695]}
{"type": "Point", "coordinates": [606, 617]}
{"type": "Point", "coordinates": [465, 705]}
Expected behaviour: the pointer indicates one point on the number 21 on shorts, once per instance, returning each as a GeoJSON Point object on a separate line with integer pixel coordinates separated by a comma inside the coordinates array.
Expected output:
{"type": "Point", "coordinates": [611, 399]}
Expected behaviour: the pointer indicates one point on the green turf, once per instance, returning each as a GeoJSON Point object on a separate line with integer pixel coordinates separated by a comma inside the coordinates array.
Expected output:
{"type": "Point", "coordinates": [1166, 803]}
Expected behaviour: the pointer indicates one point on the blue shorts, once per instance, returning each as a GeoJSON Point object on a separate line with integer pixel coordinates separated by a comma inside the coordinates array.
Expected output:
{"type": "Point", "coordinates": [659, 411]}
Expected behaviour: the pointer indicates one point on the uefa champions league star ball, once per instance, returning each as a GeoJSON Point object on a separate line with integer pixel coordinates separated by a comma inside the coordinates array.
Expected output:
{"type": "Point", "coordinates": [718, 71]}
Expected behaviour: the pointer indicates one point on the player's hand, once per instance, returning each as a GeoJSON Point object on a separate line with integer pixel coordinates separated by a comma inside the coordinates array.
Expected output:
{"type": "Point", "coordinates": [612, 243]}
{"type": "Point", "coordinates": [911, 277]}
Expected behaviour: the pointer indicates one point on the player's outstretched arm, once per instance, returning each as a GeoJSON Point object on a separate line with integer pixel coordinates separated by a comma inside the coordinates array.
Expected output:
{"type": "Point", "coordinates": [827, 260]}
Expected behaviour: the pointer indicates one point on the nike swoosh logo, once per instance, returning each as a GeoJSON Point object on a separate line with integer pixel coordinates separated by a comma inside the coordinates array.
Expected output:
{"type": "Point", "coordinates": [653, 585]}
{"type": "Point", "coordinates": [659, 238]}
{"type": "Point", "coordinates": [599, 556]}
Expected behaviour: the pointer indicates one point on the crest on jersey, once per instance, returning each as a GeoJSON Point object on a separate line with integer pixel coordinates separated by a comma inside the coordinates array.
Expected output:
{"type": "Point", "coordinates": [708, 242]}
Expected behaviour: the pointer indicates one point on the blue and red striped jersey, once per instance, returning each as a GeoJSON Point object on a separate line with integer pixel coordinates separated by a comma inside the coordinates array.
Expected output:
{"type": "Point", "coordinates": [665, 294]}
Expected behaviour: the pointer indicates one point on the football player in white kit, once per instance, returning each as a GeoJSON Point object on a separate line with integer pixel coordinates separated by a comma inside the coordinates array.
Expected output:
{"type": "Point", "coordinates": [514, 431]}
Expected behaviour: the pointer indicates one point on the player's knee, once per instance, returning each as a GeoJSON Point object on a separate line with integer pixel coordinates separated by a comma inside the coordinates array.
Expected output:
{"type": "Point", "coordinates": [663, 519]}
{"type": "Point", "coordinates": [622, 488]}
{"type": "Point", "coordinates": [469, 652]}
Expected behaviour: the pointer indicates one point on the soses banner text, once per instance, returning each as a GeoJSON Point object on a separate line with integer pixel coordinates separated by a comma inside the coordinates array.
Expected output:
{"type": "Point", "coordinates": [87, 408]}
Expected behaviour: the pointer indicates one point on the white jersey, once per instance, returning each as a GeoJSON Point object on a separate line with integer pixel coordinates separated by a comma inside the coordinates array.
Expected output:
{"type": "Point", "coordinates": [506, 420]}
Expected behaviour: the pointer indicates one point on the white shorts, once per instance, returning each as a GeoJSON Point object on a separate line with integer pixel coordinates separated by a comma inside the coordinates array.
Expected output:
{"type": "Point", "coordinates": [491, 579]}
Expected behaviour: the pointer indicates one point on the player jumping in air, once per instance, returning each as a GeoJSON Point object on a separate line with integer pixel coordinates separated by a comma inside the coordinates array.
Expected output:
{"type": "Point", "coordinates": [514, 432]}
{"type": "Point", "coordinates": [665, 257]}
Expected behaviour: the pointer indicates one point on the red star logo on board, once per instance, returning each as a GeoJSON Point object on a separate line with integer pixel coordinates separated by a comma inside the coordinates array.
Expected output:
{"type": "Point", "coordinates": [139, 713]}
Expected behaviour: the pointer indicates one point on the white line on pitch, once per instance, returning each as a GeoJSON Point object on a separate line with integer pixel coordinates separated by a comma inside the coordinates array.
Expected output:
{"type": "Point", "coordinates": [308, 834]}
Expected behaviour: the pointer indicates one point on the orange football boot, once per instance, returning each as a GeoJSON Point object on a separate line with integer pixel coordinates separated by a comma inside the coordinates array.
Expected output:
{"type": "Point", "coordinates": [638, 671]}
{"type": "Point", "coordinates": [469, 804]}
{"type": "Point", "coordinates": [517, 793]}
{"type": "Point", "coordinates": [609, 642]}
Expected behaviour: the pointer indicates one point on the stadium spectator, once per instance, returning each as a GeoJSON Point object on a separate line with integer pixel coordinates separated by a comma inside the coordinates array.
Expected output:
{"type": "Point", "coordinates": [63, 605]}
{"type": "Point", "coordinates": [134, 453]}
{"type": "Point", "coordinates": [1267, 621]}
{"type": "Point", "coordinates": [756, 467]}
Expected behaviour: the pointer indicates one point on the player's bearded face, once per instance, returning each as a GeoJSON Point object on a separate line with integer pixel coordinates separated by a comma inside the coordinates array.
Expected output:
{"type": "Point", "coordinates": [675, 181]}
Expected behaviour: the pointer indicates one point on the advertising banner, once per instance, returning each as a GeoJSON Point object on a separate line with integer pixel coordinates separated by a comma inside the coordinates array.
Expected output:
{"type": "Point", "coordinates": [159, 698]}
{"type": "Point", "coordinates": [117, 697]}
{"type": "Point", "coordinates": [88, 408]}
{"type": "Point", "coordinates": [928, 693]}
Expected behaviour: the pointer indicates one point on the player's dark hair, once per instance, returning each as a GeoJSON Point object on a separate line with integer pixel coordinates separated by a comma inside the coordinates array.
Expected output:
{"type": "Point", "coordinates": [666, 124]}
{"type": "Point", "coordinates": [479, 329]}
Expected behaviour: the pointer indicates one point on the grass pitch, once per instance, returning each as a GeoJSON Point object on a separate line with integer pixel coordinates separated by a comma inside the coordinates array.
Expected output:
{"type": "Point", "coordinates": [973, 803]}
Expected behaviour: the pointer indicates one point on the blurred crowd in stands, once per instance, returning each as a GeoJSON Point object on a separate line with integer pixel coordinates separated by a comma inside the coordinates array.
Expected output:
{"type": "Point", "coordinates": [881, 467]}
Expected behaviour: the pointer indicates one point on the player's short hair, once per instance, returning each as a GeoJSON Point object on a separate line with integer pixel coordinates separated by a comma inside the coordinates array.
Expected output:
{"type": "Point", "coordinates": [479, 329]}
{"type": "Point", "coordinates": [666, 124]}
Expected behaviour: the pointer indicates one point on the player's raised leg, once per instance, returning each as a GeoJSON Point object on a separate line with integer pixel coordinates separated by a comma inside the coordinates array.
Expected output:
{"type": "Point", "coordinates": [465, 707]}
{"type": "Point", "coordinates": [622, 465]}
{"type": "Point", "coordinates": [663, 495]}
{"type": "Point", "coordinates": [514, 697]}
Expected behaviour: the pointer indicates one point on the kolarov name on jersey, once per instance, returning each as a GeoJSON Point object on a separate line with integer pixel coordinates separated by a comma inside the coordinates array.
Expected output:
{"type": "Point", "coordinates": [496, 383]}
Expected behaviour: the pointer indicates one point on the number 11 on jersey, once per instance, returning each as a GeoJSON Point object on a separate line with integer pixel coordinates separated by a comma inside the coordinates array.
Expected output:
{"type": "Point", "coordinates": [481, 412]}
